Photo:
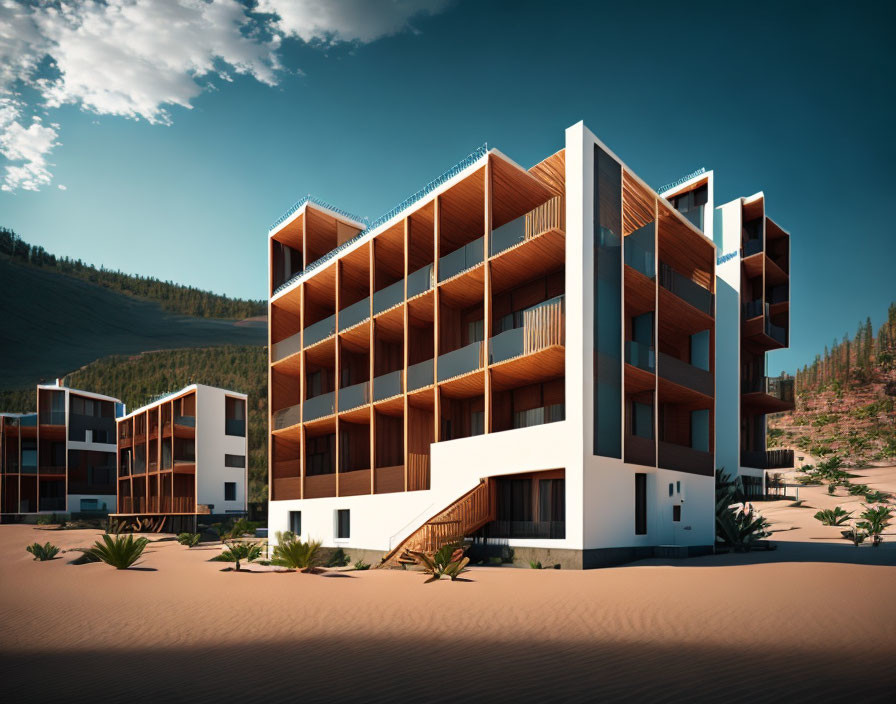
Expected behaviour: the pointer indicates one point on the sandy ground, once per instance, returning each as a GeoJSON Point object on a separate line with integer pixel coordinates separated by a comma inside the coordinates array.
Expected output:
{"type": "Point", "coordinates": [814, 619]}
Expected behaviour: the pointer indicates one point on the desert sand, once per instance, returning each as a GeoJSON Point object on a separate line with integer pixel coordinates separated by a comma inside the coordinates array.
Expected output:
{"type": "Point", "coordinates": [814, 619]}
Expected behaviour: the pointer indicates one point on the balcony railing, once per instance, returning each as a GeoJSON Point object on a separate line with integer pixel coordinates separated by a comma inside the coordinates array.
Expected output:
{"type": "Point", "coordinates": [535, 530]}
{"type": "Point", "coordinates": [547, 216]}
{"type": "Point", "coordinates": [420, 375]}
{"type": "Point", "coordinates": [354, 396]}
{"type": "Point", "coordinates": [354, 314]}
{"type": "Point", "coordinates": [387, 385]}
{"type": "Point", "coordinates": [286, 417]}
{"type": "Point", "coordinates": [319, 406]}
{"type": "Point", "coordinates": [461, 361]}
{"type": "Point", "coordinates": [753, 309]}
{"type": "Point", "coordinates": [640, 355]}
{"type": "Point", "coordinates": [542, 326]}
{"type": "Point", "coordinates": [420, 281]}
{"type": "Point", "coordinates": [388, 297]}
{"type": "Point", "coordinates": [767, 459]}
{"type": "Point", "coordinates": [687, 290]}
{"type": "Point", "coordinates": [751, 247]}
{"type": "Point", "coordinates": [320, 330]}
{"type": "Point", "coordinates": [685, 459]}
{"type": "Point", "coordinates": [285, 348]}
{"type": "Point", "coordinates": [639, 258]}
{"type": "Point", "coordinates": [684, 374]}
{"type": "Point", "coordinates": [461, 259]}
{"type": "Point", "coordinates": [188, 421]}
{"type": "Point", "coordinates": [779, 387]}
{"type": "Point", "coordinates": [776, 332]}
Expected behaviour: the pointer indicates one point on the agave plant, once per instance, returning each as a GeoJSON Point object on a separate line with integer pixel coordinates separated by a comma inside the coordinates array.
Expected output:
{"type": "Point", "coordinates": [448, 560]}
{"type": "Point", "coordinates": [120, 552]}
{"type": "Point", "coordinates": [737, 524]}
{"type": "Point", "coordinates": [360, 565]}
{"type": "Point", "coordinates": [239, 552]}
{"type": "Point", "coordinates": [876, 497]}
{"type": "Point", "coordinates": [191, 540]}
{"type": "Point", "coordinates": [296, 555]}
{"type": "Point", "coordinates": [858, 489]}
{"type": "Point", "coordinates": [874, 520]}
{"type": "Point", "coordinates": [832, 516]}
{"type": "Point", "coordinates": [856, 535]}
{"type": "Point", "coordinates": [43, 552]}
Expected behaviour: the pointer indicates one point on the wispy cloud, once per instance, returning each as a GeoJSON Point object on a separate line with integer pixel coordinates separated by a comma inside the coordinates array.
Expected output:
{"type": "Point", "coordinates": [139, 58]}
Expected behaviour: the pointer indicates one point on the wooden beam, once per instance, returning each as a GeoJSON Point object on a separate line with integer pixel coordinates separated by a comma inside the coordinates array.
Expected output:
{"type": "Point", "coordinates": [338, 365]}
{"type": "Point", "coordinates": [302, 373]}
{"type": "Point", "coordinates": [487, 295]}
{"type": "Point", "coordinates": [370, 373]}
{"type": "Point", "coordinates": [437, 238]}
{"type": "Point", "coordinates": [407, 234]}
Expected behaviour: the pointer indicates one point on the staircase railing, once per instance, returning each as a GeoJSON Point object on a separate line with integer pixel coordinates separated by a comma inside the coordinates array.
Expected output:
{"type": "Point", "coordinates": [466, 515]}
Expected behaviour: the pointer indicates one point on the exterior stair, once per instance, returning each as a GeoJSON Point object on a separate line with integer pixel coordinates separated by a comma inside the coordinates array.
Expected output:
{"type": "Point", "coordinates": [466, 515]}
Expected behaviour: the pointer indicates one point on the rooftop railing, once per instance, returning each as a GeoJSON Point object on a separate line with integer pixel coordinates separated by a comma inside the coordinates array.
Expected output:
{"type": "Point", "coordinates": [464, 163]}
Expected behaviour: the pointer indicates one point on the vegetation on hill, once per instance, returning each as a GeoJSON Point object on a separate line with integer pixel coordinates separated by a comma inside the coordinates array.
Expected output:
{"type": "Point", "coordinates": [136, 379]}
{"type": "Point", "coordinates": [846, 398]}
{"type": "Point", "coordinates": [175, 298]}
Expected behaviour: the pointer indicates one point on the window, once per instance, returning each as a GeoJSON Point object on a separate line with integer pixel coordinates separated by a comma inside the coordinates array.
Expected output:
{"type": "Point", "coordinates": [295, 522]}
{"type": "Point", "coordinates": [642, 420]}
{"type": "Point", "coordinates": [235, 461]}
{"type": "Point", "coordinates": [230, 491]}
{"type": "Point", "coordinates": [477, 422]}
{"type": "Point", "coordinates": [235, 416]}
{"type": "Point", "coordinates": [641, 504]}
{"type": "Point", "coordinates": [343, 523]}
{"type": "Point", "coordinates": [676, 513]}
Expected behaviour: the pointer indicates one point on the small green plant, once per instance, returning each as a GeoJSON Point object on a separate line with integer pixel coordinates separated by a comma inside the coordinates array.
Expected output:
{"type": "Point", "coordinates": [876, 497]}
{"type": "Point", "coordinates": [856, 535]}
{"type": "Point", "coordinates": [737, 524]}
{"type": "Point", "coordinates": [858, 489]}
{"type": "Point", "coordinates": [535, 564]}
{"type": "Point", "coordinates": [361, 565]}
{"type": "Point", "coordinates": [239, 552]}
{"type": "Point", "coordinates": [120, 552]}
{"type": "Point", "coordinates": [232, 530]}
{"type": "Point", "coordinates": [448, 560]}
{"type": "Point", "coordinates": [831, 488]}
{"type": "Point", "coordinates": [875, 519]}
{"type": "Point", "coordinates": [296, 555]}
{"type": "Point", "coordinates": [43, 552]}
{"type": "Point", "coordinates": [45, 520]}
{"type": "Point", "coordinates": [832, 516]}
{"type": "Point", "coordinates": [191, 540]}
{"type": "Point", "coordinates": [337, 558]}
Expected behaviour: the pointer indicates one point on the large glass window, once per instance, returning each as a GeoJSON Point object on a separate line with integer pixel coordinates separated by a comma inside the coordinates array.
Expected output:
{"type": "Point", "coordinates": [607, 305]}
{"type": "Point", "coordinates": [235, 416]}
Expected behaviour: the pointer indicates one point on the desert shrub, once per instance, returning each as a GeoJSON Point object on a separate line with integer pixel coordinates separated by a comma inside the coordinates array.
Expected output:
{"type": "Point", "coordinates": [337, 558]}
{"type": "Point", "coordinates": [361, 565]}
{"type": "Point", "coordinates": [832, 516]}
{"type": "Point", "coordinates": [831, 488]}
{"type": "Point", "coordinates": [285, 536]}
{"type": "Point", "coordinates": [874, 521]}
{"type": "Point", "coordinates": [45, 520]}
{"type": "Point", "coordinates": [189, 539]}
{"type": "Point", "coordinates": [120, 552]}
{"type": "Point", "coordinates": [47, 551]}
{"type": "Point", "coordinates": [737, 524]}
{"type": "Point", "coordinates": [296, 555]}
{"type": "Point", "coordinates": [448, 560]}
{"type": "Point", "coordinates": [858, 489]}
{"type": "Point", "coordinates": [231, 530]}
{"type": "Point", "coordinates": [239, 552]}
{"type": "Point", "coordinates": [856, 535]}
{"type": "Point", "coordinates": [876, 497]}
{"type": "Point", "coordinates": [535, 564]}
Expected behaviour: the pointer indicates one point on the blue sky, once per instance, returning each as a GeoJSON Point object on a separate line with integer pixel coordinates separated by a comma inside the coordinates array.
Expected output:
{"type": "Point", "coordinates": [175, 166]}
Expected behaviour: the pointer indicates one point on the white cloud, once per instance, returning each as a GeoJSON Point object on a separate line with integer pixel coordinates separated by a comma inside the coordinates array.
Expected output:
{"type": "Point", "coordinates": [332, 21]}
{"type": "Point", "coordinates": [139, 58]}
{"type": "Point", "coordinates": [62, 187]}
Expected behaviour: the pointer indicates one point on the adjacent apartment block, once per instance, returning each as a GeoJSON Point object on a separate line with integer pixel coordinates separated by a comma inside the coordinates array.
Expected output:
{"type": "Point", "coordinates": [181, 456]}
{"type": "Point", "coordinates": [60, 459]}
{"type": "Point", "coordinates": [527, 357]}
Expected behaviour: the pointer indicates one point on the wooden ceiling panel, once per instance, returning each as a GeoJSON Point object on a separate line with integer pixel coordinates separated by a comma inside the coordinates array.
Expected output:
{"type": "Point", "coordinates": [552, 172]}
{"type": "Point", "coordinates": [638, 204]}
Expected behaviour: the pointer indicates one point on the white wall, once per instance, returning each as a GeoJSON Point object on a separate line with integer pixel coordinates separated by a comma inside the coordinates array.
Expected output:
{"type": "Point", "coordinates": [211, 445]}
{"type": "Point", "coordinates": [74, 501]}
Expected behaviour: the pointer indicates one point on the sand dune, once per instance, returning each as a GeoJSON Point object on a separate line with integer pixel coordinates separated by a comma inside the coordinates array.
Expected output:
{"type": "Point", "coordinates": [727, 627]}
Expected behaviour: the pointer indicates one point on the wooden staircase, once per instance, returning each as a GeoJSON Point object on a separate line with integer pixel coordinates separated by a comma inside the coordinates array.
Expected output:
{"type": "Point", "coordinates": [466, 515]}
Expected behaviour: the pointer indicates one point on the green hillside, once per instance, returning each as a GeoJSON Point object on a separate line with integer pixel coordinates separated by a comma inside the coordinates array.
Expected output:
{"type": "Point", "coordinates": [172, 297]}
{"type": "Point", "coordinates": [135, 379]}
{"type": "Point", "coordinates": [53, 323]}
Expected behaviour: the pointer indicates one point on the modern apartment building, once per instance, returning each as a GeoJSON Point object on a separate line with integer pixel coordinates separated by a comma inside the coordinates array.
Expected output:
{"type": "Point", "coordinates": [522, 356]}
{"type": "Point", "coordinates": [60, 459]}
{"type": "Point", "coordinates": [182, 456]}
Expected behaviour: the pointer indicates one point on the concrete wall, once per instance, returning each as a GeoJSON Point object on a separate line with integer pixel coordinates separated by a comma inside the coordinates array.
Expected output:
{"type": "Point", "coordinates": [211, 445]}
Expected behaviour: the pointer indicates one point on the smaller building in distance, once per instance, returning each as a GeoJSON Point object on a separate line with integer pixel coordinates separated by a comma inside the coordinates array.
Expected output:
{"type": "Point", "coordinates": [61, 458]}
{"type": "Point", "coordinates": [182, 456]}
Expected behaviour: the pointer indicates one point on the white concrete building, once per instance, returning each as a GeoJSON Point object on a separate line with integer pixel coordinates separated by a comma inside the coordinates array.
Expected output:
{"type": "Point", "coordinates": [523, 357]}
{"type": "Point", "coordinates": [182, 456]}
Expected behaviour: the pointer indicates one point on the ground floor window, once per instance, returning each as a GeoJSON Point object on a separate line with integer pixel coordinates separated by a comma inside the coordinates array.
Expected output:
{"type": "Point", "coordinates": [641, 504]}
{"type": "Point", "coordinates": [343, 523]}
{"type": "Point", "coordinates": [230, 491]}
{"type": "Point", "coordinates": [295, 523]}
{"type": "Point", "coordinates": [529, 506]}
